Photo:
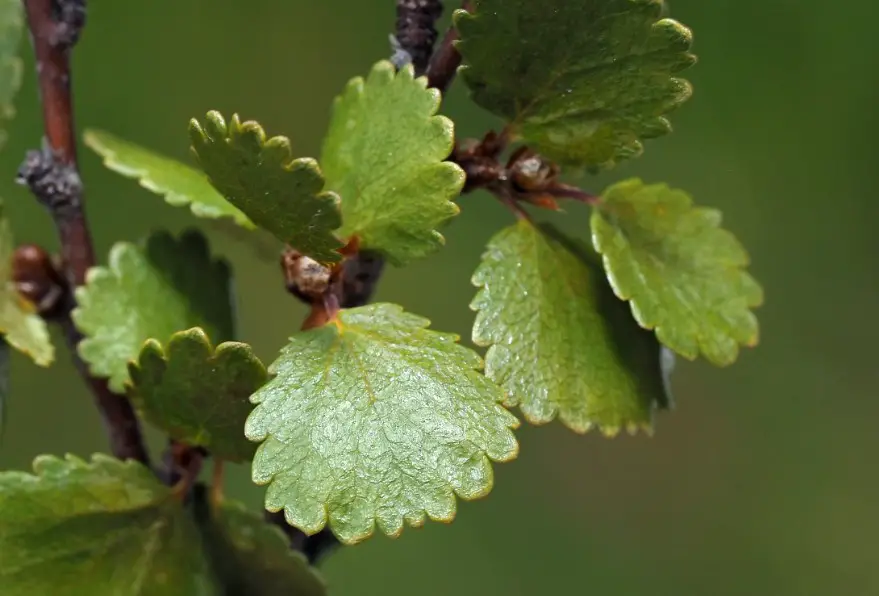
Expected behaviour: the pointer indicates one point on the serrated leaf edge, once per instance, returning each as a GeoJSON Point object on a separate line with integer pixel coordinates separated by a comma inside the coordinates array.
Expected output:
{"type": "Point", "coordinates": [163, 350]}
{"type": "Point", "coordinates": [46, 465]}
{"type": "Point", "coordinates": [634, 306]}
{"type": "Point", "coordinates": [216, 127]}
{"type": "Point", "coordinates": [110, 160]}
{"type": "Point", "coordinates": [637, 148]}
{"type": "Point", "coordinates": [607, 431]}
{"type": "Point", "coordinates": [385, 72]}
{"type": "Point", "coordinates": [423, 323]}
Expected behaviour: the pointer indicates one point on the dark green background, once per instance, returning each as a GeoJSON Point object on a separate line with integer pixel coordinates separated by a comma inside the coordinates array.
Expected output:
{"type": "Point", "coordinates": [761, 482]}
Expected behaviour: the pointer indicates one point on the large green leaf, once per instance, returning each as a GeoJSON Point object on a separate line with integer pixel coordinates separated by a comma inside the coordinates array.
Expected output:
{"type": "Point", "coordinates": [582, 82]}
{"type": "Point", "coordinates": [102, 527]}
{"type": "Point", "coordinates": [110, 528]}
{"type": "Point", "coordinates": [374, 419]}
{"type": "Point", "coordinates": [151, 292]}
{"type": "Point", "coordinates": [180, 184]}
{"type": "Point", "coordinates": [280, 194]}
{"type": "Point", "coordinates": [23, 328]}
{"type": "Point", "coordinates": [252, 558]}
{"type": "Point", "coordinates": [197, 394]}
{"type": "Point", "coordinates": [384, 156]}
{"type": "Point", "coordinates": [561, 343]}
{"type": "Point", "coordinates": [683, 274]}
{"type": "Point", "coordinates": [11, 26]}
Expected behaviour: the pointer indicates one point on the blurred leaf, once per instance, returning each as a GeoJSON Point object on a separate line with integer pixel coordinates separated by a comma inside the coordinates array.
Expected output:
{"type": "Point", "coordinates": [682, 272]}
{"type": "Point", "coordinates": [11, 27]}
{"type": "Point", "coordinates": [251, 557]}
{"type": "Point", "coordinates": [259, 176]}
{"type": "Point", "coordinates": [152, 292]}
{"type": "Point", "coordinates": [99, 527]}
{"type": "Point", "coordinates": [180, 184]}
{"type": "Point", "coordinates": [384, 156]}
{"type": "Point", "coordinates": [582, 82]}
{"type": "Point", "coordinates": [375, 419]}
{"type": "Point", "coordinates": [561, 342]}
{"type": "Point", "coordinates": [23, 328]}
{"type": "Point", "coordinates": [4, 383]}
{"type": "Point", "coordinates": [197, 394]}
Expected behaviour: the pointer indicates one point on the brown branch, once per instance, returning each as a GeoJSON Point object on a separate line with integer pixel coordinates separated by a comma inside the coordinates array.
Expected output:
{"type": "Point", "coordinates": [416, 32]}
{"type": "Point", "coordinates": [445, 62]}
{"type": "Point", "coordinates": [51, 174]}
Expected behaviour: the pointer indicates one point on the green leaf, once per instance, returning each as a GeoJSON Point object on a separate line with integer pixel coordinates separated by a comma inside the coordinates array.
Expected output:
{"type": "Point", "coordinates": [74, 526]}
{"type": "Point", "coordinates": [25, 330]}
{"type": "Point", "coordinates": [197, 394]}
{"type": "Point", "coordinates": [561, 343]}
{"type": "Point", "coordinates": [251, 557]}
{"type": "Point", "coordinates": [4, 383]}
{"type": "Point", "coordinates": [374, 419]}
{"type": "Point", "coordinates": [384, 156]}
{"type": "Point", "coordinates": [151, 292]}
{"type": "Point", "coordinates": [582, 82]}
{"type": "Point", "coordinates": [108, 527]}
{"type": "Point", "coordinates": [11, 27]}
{"type": "Point", "coordinates": [259, 176]}
{"type": "Point", "coordinates": [180, 184]}
{"type": "Point", "coordinates": [683, 274]}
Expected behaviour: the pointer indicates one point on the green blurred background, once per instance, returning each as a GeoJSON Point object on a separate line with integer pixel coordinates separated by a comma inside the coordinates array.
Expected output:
{"type": "Point", "coordinates": [758, 483]}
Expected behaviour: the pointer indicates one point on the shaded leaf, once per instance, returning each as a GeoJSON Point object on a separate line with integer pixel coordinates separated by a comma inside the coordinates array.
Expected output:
{"type": "Point", "coordinates": [98, 527]}
{"type": "Point", "coordinates": [196, 394]}
{"type": "Point", "coordinates": [384, 156]}
{"type": "Point", "coordinates": [582, 82]}
{"type": "Point", "coordinates": [11, 28]}
{"type": "Point", "coordinates": [374, 419]}
{"type": "Point", "coordinates": [169, 285]}
{"type": "Point", "coordinates": [250, 556]}
{"type": "Point", "coordinates": [561, 343]}
{"type": "Point", "coordinates": [4, 383]}
{"type": "Point", "coordinates": [278, 193]}
{"type": "Point", "coordinates": [683, 274]}
{"type": "Point", "coordinates": [108, 527]}
{"type": "Point", "coordinates": [180, 184]}
{"type": "Point", "coordinates": [22, 327]}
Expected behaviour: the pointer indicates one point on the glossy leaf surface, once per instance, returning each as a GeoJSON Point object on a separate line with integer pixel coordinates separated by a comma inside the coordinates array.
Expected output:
{"type": "Point", "coordinates": [375, 420]}
{"type": "Point", "coordinates": [561, 344]}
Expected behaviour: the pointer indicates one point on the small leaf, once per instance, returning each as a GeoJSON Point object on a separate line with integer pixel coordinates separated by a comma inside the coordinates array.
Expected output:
{"type": "Point", "coordinates": [683, 274]}
{"type": "Point", "coordinates": [180, 184]}
{"type": "Point", "coordinates": [374, 419]}
{"type": "Point", "coordinates": [384, 156]}
{"type": "Point", "coordinates": [582, 82]}
{"type": "Point", "coordinates": [151, 292]}
{"type": "Point", "coordinates": [75, 527]}
{"type": "Point", "coordinates": [197, 394]}
{"type": "Point", "coordinates": [259, 176]}
{"type": "Point", "coordinates": [561, 343]}
{"type": "Point", "coordinates": [23, 328]}
{"type": "Point", "coordinates": [11, 27]}
{"type": "Point", "coordinates": [251, 557]}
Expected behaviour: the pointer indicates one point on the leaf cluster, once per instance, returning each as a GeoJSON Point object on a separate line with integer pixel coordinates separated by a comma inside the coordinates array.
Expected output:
{"type": "Point", "coordinates": [367, 418]}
